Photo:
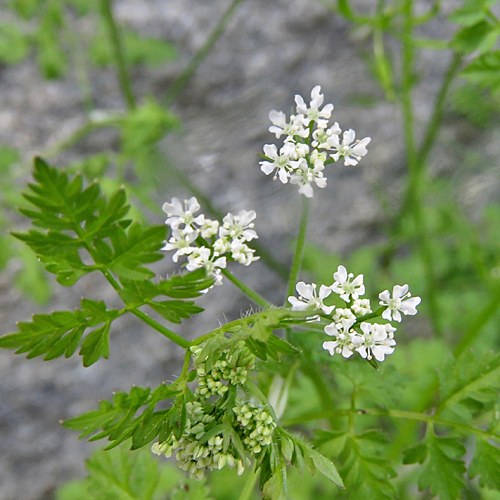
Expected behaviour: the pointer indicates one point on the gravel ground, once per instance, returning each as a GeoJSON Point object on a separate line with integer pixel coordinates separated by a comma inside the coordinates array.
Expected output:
{"type": "Point", "coordinates": [269, 52]}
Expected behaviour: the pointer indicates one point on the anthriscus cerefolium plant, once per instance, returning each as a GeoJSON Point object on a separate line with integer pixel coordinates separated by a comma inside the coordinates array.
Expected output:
{"type": "Point", "coordinates": [228, 407]}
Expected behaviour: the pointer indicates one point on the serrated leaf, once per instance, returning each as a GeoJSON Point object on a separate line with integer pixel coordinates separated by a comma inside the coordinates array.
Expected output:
{"type": "Point", "coordinates": [364, 472]}
{"type": "Point", "coordinates": [443, 472]}
{"type": "Point", "coordinates": [326, 467]}
{"type": "Point", "coordinates": [486, 464]}
{"type": "Point", "coordinates": [96, 345]}
{"type": "Point", "coordinates": [415, 454]}
{"type": "Point", "coordinates": [469, 378]}
{"type": "Point", "coordinates": [175, 310]}
{"type": "Point", "coordinates": [118, 420]}
{"type": "Point", "coordinates": [57, 334]}
{"type": "Point", "coordinates": [479, 37]}
{"type": "Point", "coordinates": [484, 70]}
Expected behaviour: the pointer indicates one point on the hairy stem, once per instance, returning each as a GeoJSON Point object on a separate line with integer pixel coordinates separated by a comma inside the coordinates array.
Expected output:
{"type": "Point", "coordinates": [118, 53]}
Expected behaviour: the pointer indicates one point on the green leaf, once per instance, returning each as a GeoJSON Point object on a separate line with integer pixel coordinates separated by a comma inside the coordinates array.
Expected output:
{"type": "Point", "coordinates": [472, 12]}
{"type": "Point", "coordinates": [122, 475]}
{"type": "Point", "coordinates": [118, 420]}
{"type": "Point", "coordinates": [175, 310]}
{"type": "Point", "coordinates": [484, 70]}
{"type": "Point", "coordinates": [443, 472]}
{"type": "Point", "coordinates": [57, 334]}
{"type": "Point", "coordinates": [276, 487]}
{"type": "Point", "coordinates": [326, 467]}
{"type": "Point", "coordinates": [96, 345]}
{"type": "Point", "coordinates": [364, 471]}
{"type": "Point", "coordinates": [486, 464]}
{"type": "Point", "coordinates": [469, 378]}
{"type": "Point", "coordinates": [415, 454]}
{"type": "Point", "coordinates": [478, 37]}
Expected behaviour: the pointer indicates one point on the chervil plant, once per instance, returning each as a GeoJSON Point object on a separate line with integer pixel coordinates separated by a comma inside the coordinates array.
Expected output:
{"type": "Point", "coordinates": [229, 407]}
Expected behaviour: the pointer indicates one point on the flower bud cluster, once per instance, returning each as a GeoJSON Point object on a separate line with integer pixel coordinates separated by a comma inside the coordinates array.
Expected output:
{"type": "Point", "coordinates": [232, 367]}
{"type": "Point", "coordinates": [257, 426]}
{"type": "Point", "coordinates": [309, 144]}
{"type": "Point", "coordinates": [195, 457]}
{"type": "Point", "coordinates": [207, 243]}
{"type": "Point", "coordinates": [352, 334]}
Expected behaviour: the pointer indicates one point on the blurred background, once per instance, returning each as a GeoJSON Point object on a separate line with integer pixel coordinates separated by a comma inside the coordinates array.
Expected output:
{"type": "Point", "coordinates": [192, 118]}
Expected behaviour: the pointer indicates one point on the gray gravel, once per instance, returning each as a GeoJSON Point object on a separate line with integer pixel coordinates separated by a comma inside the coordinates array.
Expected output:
{"type": "Point", "coordinates": [269, 52]}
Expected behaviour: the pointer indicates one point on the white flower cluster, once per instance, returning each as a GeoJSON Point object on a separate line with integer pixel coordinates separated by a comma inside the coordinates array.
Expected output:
{"type": "Point", "coordinates": [350, 332]}
{"type": "Point", "coordinates": [231, 367]}
{"type": "Point", "coordinates": [257, 426]}
{"type": "Point", "coordinates": [309, 144]}
{"type": "Point", "coordinates": [206, 243]}
{"type": "Point", "coordinates": [193, 457]}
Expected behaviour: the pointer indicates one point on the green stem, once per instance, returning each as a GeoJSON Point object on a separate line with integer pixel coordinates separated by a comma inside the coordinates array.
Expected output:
{"type": "Point", "coordinates": [161, 329]}
{"type": "Point", "coordinates": [416, 170]}
{"type": "Point", "coordinates": [249, 486]}
{"type": "Point", "coordinates": [261, 301]}
{"type": "Point", "coordinates": [118, 53]}
{"type": "Point", "coordinates": [407, 415]}
{"type": "Point", "coordinates": [299, 249]}
{"type": "Point", "coordinates": [179, 83]}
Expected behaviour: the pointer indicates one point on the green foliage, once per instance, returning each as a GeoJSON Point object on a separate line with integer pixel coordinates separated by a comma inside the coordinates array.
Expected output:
{"type": "Point", "coordinates": [443, 470]}
{"type": "Point", "coordinates": [474, 104]}
{"type": "Point", "coordinates": [60, 333]}
{"type": "Point", "coordinates": [117, 420]}
{"type": "Point", "coordinates": [121, 475]}
{"type": "Point", "coordinates": [13, 44]}
{"type": "Point", "coordinates": [484, 71]}
{"type": "Point", "coordinates": [469, 384]}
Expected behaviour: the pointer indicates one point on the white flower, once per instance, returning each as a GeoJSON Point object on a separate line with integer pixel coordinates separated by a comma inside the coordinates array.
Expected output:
{"type": "Point", "coordinates": [181, 241]}
{"type": "Point", "coordinates": [347, 340]}
{"type": "Point", "coordinates": [309, 298]}
{"type": "Point", "coordinates": [281, 127]}
{"type": "Point", "coordinates": [349, 149]}
{"type": "Point", "coordinates": [221, 246]}
{"type": "Point", "coordinates": [177, 214]}
{"type": "Point", "coordinates": [346, 286]}
{"type": "Point", "coordinates": [200, 257]}
{"type": "Point", "coordinates": [313, 113]}
{"type": "Point", "coordinates": [321, 136]}
{"type": "Point", "coordinates": [376, 342]}
{"type": "Point", "coordinates": [400, 301]}
{"type": "Point", "coordinates": [281, 161]}
{"type": "Point", "coordinates": [361, 307]}
{"type": "Point", "coordinates": [209, 228]}
{"type": "Point", "coordinates": [304, 176]}
{"type": "Point", "coordinates": [239, 226]}
{"type": "Point", "coordinates": [341, 314]}
{"type": "Point", "coordinates": [242, 253]}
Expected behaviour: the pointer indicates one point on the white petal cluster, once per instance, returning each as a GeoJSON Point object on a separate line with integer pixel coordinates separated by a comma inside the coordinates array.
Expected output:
{"type": "Point", "coordinates": [207, 243]}
{"type": "Point", "coordinates": [310, 299]}
{"type": "Point", "coordinates": [349, 329]}
{"type": "Point", "coordinates": [400, 302]}
{"type": "Point", "coordinates": [309, 144]}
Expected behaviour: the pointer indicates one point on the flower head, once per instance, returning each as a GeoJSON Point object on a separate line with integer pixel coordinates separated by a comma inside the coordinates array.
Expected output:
{"type": "Point", "coordinates": [239, 226]}
{"type": "Point", "coordinates": [400, 302]}
{"type": "Point", "coordinates": [310, 299]}
{"type": "Point", "coordinates": [346, 285]}
{"type": "Point", "coordinates": [349, 149]}
{"type": "Point", "coordinates": [313, 113]}
{"type": "Point", "coordinates": [346, 339]}
{"type": "Point", "coordinates": [279, 127]}
{"type": "Point", "coordinates": [376, 342]}
{"type": "Point", "coordinates": [177, 214]}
